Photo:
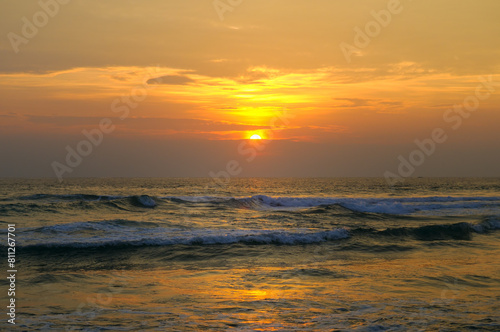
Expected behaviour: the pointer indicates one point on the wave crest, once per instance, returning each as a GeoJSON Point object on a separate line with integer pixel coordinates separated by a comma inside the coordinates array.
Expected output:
{"type": "Point", "coordinates": [126, 233]}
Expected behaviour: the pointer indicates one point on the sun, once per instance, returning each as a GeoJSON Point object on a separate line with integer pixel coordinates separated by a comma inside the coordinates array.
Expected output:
{"type": "Point", "coordinates": [255, 136]}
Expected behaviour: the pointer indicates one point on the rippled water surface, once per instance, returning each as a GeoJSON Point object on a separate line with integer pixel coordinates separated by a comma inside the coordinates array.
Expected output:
{"type": "Point", "coordinates": [254, 254]}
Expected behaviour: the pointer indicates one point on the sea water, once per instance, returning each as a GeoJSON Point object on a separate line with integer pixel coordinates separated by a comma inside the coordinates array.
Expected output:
{"type": "Point", "coordinates": [253, 254]}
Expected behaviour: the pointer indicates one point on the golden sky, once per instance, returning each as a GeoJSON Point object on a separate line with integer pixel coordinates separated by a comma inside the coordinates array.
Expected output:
{"type": "Point", "coordinates": [190, 80]}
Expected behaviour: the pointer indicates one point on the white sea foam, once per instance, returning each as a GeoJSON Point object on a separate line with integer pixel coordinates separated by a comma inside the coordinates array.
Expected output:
{"type": "Point", "coordinates": [146, 201]}
{"type": "Point", "coordinates": [441, 205]}
{"type": "Point", "coordinates": [88, 234]}
{"type": "Point", "coordinates": [371, 205]}
{"type": "Point", "coordinates": [433, 205]}
{"type": "Point", "coordinates": [487, 225]}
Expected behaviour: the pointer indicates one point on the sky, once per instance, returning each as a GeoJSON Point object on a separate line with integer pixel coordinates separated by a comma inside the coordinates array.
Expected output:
{"type": "Point", "coordinates": [176, 88]}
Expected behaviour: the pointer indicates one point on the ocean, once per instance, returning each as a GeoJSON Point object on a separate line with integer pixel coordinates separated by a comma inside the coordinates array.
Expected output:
{"type": "Point", "coordinates": [252, 254]}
